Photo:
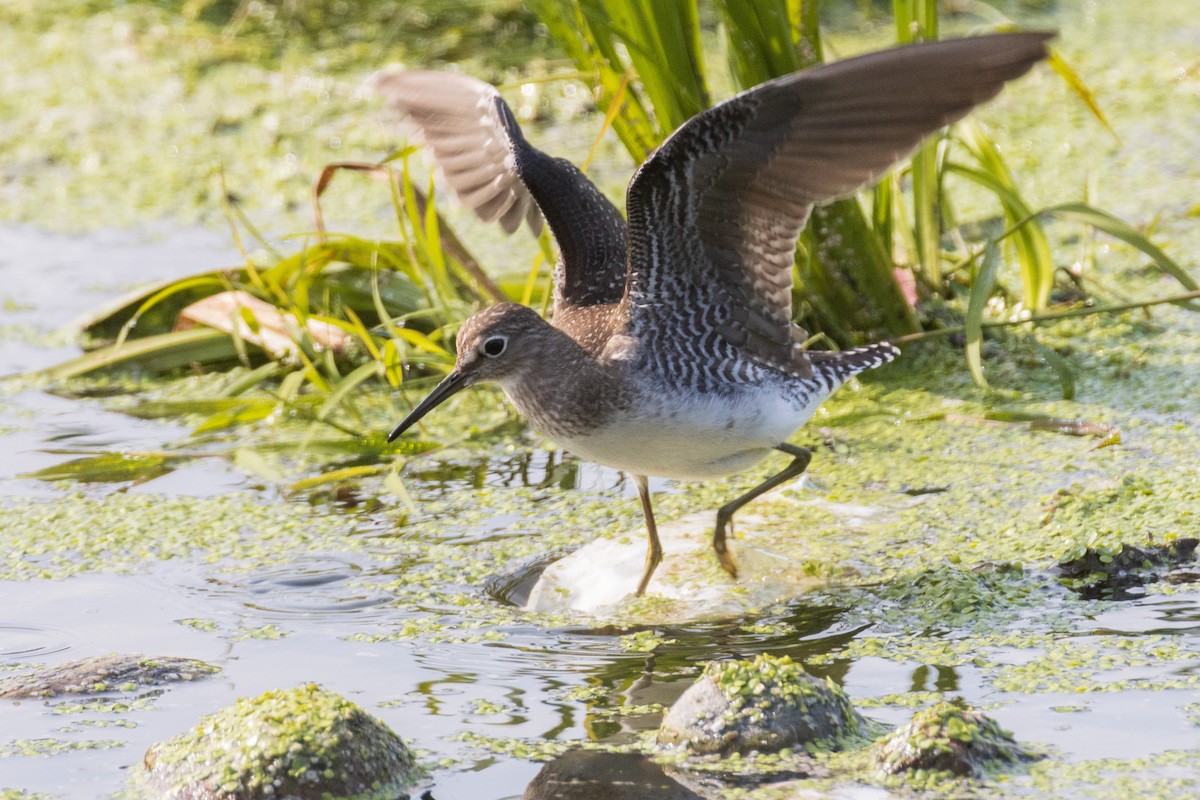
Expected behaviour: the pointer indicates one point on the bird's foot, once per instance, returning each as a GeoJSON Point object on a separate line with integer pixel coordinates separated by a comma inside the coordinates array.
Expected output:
{"type": "Point", "coordinates": [653, 558]}
{"type": "Point", "coordinates": [727, 563]}
{"type": "Point", "coordinates": [724, 557]}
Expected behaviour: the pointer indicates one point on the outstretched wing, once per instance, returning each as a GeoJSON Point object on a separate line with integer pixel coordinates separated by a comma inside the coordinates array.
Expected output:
{"type": "Point", "coordinates": [477, 143]}
{"type": "Point", "coordinates": [715, 212]}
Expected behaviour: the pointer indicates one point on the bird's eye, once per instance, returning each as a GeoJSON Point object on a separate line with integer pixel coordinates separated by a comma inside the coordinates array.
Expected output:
{"type": "Point", "coordinates": [495, 346]}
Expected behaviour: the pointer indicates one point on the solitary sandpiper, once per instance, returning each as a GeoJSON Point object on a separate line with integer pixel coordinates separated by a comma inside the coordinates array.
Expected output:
{"type": "Point", "coordinates": [671, 350]}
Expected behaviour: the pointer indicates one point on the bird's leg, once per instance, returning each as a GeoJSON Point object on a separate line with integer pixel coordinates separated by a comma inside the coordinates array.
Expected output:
{"type": "Point", "coordinates": [654, 552]}
{"type": "Point", "coordinates": [800, 458]}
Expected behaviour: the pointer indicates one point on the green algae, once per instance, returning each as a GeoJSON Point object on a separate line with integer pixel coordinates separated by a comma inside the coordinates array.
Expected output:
{"type": "Point", "coordinates": [251, 106]}
{"type": "Point", "coordinates": [761, 705]}
{"type": "Point", "coordinates": [775, 677]}
{"type": "Point", "coordinates": [199, 624]}
{"type": "Point", "coordinates": [524, 749]}
{"type": "Point", "coordinates": [305, 742]}
{"type": "Point", "coordinates": [951, 597]}
{"type": "Point", "coordinates": [53, 747]}
{"type": "Point", "coordinates": [118, 532]}
{"type": "Point", "coordinates": [270, 631]}
{"type": "Point", "coordinates": [644, 641]}
{"type": "Point", "coordinates": [1169, 774]}
{"type": "Point", "coordinates": [104, 706]}
{"type": "Point", "coordinates": [947, 740]}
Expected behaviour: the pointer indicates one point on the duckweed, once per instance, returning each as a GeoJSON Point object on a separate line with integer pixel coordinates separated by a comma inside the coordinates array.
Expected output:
{"type": "Point", "coordinates": [306, 742]}
{"type": "Point", "coordinates": [51, 747]}
{"type": "Point", "coordinates": [947, 740]}
{"type": "Point", "coordinates": [767, 704]}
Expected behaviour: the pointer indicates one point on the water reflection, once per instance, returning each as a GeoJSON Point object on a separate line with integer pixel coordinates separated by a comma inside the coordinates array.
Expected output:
{"type": "Point", "coordinates": [524, 468]}
{"type": "Point", "coordinates": [588, 775]}
{"type": "Point", "coordinates": [934, 677]}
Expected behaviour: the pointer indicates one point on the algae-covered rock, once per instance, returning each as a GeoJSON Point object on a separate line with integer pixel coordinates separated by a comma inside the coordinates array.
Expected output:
{"type": "Point", "coordinates": [1099, 572]}
{"type": "Point", "coordinates": [766, 704]}
{"type": "Point", "coordinates": [949, 738]}
{"type": "Point", "coordinates": [105, 674]}
{"type": "Point", "coordinates": [305, 743]}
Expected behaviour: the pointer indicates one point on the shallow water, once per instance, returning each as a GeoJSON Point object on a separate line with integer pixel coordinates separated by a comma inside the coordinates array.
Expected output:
{"type": "Point", "coordinates": [354, 595]}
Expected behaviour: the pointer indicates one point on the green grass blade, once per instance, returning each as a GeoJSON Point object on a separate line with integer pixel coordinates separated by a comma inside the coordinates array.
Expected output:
{"type": "Point", "coordinates": [337, 476]}
{"type": "Point", "coordinates": [1119, 229]}
{"type": "Point", "coordinates": [916, 20]}
{"type": "Point", "coordinates": [347, 385]}
{"type": "Point", "coordinates": [981, 289]}
{"type": "Point", "coordinates": [1072, 79]}
{"type": "Point", "coordinates": [251, 461]}
{"type": "Point", "coordinates": [252, 378]}
{"type": "Point", "coordinates": [153, 354]}
{"type": "Point", "coordinates": [760, 37]}
{"type": "Point", "coordinates": [1066, 376]}
{"type": "Point", "coordinates": [596, 54]}
{"type": "Point", "coordinates": [1034, 257]}
{"type": "Point", "coordinates": [106, 468]}
{"type": "Point", "coordinates": [396, 486]}
{"type": "Point", "coordinates": [250, 410]}
{"type": "Point", "coordinates": [662, 38]}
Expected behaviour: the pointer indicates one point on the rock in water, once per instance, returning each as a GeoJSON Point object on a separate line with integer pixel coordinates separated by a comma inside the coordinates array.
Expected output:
{"type": "Point", "coordinates": [304, 743]}
{"type": "Point", "coordinates": [105, 674]}
{"type": "Point", "coordinates": [599, 578]}
{"type": "Point", "coordinates": [766, 704]}
{"type": "Point", "coordinates": [950, 737]}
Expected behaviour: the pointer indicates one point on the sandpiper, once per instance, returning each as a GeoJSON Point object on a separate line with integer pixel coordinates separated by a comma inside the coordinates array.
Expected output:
{"type": "Point", "coordinates": [671, 350]}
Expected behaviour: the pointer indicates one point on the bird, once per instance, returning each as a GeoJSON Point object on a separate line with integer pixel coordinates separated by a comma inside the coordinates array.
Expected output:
{"type": "Point", "coordinates": [671, 350]}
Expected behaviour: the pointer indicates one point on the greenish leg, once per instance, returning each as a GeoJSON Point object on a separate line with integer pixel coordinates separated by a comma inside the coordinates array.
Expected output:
{"type": "Point", "coordinates": [800, 458]}
{"type": "Point", "coordinates": [654, 552]}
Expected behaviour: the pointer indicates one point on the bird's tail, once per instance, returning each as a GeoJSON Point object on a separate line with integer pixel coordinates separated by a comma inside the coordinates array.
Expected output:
{"type": "Point", "coordinates": [845, 364]}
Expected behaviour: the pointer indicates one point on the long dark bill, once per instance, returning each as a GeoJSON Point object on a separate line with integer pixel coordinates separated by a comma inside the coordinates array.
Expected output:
{"type": "Point", "coordinates": [449, 386]}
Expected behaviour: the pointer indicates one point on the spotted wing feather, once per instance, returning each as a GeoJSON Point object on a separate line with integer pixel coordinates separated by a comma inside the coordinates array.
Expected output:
{"type": "Point", "coordinates": [477, 143]}
{"type": "Point", "coordinates": [715, 212]}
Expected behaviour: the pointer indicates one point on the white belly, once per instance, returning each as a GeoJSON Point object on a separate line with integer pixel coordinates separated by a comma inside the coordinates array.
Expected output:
{"type": "Point", "coordinates": [694, 438]}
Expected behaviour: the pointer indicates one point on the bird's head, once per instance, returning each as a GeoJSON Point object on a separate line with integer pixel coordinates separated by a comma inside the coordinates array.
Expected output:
{"type": "Point", "coordinates": [493, 345]}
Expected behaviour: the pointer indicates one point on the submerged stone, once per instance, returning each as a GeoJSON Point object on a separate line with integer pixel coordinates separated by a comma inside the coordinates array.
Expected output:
{"type": "Point", "coordinates": [949, 738]}
{"type": "Point", "coordinates": [113, 672]}
{"type": "Point", "coordinates": [595, 775]}
{"type": "Point", "coordinates": [304, 743]}
{"type": "Point", "coordinates": [766, 704]}
{"type": "Point", "coordinates": [600, 577]}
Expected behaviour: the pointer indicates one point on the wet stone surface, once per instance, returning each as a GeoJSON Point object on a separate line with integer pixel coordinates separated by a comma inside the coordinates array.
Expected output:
{"type": "Point", "coordinates": [304, 743]}
{"type": "Point", "coordinates": [113, 672]}
{"type": "Point", "coordinates": [764, 705]}
{"type": "Point", "coordinates": [949, 738]}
